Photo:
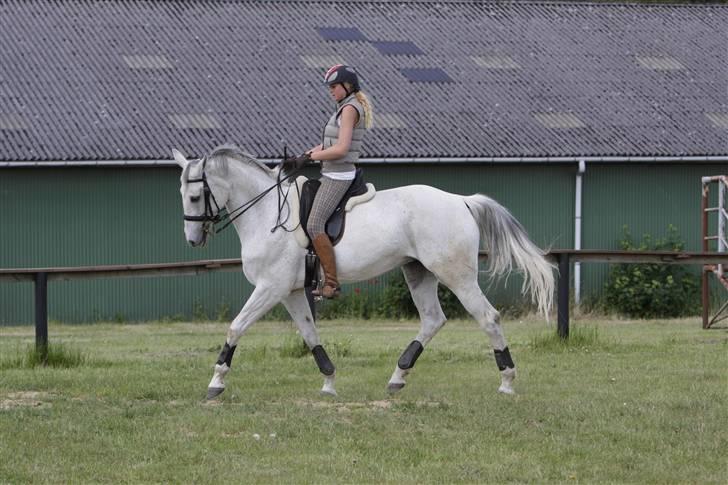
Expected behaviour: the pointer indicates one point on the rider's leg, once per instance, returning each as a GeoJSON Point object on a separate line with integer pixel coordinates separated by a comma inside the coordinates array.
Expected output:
{"type": "Point", "coordinates": [325, 251]}
{"type": "Point", "coordinates": [327, 198]}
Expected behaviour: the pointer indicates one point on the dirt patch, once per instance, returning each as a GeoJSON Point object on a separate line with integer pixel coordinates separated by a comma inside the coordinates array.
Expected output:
{"type": "Point", "coordinates": [345, 406]}
{"type": "Point", "coordinates": [356, 405]}
{"type": "Point", "coordinates": [29, 399]}
{"type": "Point", "coordinates": [211, 403]}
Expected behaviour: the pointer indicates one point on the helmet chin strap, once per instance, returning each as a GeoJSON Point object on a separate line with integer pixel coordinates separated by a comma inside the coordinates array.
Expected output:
{"type": "Point", "coordinates": [348, 91]}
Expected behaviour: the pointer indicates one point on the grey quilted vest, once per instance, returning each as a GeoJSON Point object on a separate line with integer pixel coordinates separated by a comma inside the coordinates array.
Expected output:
{"type": "Point", "coordinates": [331, 136]}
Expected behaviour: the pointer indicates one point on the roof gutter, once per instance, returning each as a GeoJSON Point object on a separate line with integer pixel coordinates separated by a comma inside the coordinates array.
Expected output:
{"type": "Point", "coordinates": [653, 159]}
{"type": "Point", "coordinates": [388, 161]}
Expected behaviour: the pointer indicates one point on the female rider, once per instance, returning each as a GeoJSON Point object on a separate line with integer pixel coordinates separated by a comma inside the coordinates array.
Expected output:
{"type": "Point", "coordinates": [339, 151]}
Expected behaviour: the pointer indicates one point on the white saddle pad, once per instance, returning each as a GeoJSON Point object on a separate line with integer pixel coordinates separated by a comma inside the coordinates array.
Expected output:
{"type": "Point", "coordinates": [295, 204]}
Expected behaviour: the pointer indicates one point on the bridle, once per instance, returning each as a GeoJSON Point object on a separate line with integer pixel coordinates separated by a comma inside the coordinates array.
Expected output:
{"type": "Point", "coordinates": [208, 217]}
{"type": "Point", "coordinates": [211, 217]}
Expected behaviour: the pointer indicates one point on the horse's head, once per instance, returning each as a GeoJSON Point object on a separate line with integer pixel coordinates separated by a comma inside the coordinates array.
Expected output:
{"type": "Point", "coordinates": [204, 195]}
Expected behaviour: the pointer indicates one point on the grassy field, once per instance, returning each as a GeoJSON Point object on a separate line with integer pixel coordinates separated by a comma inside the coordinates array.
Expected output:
{"type": "Point", "coordinates": [637, 402]}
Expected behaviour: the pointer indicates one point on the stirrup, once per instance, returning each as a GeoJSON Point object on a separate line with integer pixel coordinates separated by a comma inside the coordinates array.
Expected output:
{"type": "Point", "coordinates": [332, 293]}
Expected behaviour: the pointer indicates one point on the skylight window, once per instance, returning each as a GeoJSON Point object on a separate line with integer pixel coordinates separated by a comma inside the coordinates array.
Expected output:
{"type": "Point", "coordinates": [200, 121]}
{"type": "Point", "coordinates": [559, 120]}
{"type": "Point", "coordinates": [398, 48]}
{"type": "Point", "coordinates": [12, 122]}
{"type": "Point", "coordinates": [341, 34]}
{"type": "Point", "coordinates": [720, 120]}
{"type": "Point", "coordinates": [660, 63]}
{"type": "Point", "coordinates": [389, 121]}
{"type": "Point", "coordinates": [426, 75]}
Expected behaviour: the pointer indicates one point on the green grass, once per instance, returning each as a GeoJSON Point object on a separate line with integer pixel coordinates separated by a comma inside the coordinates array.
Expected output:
{"type": "Point", "coordinates": [627, 401]}
{"type": "Point", "coordinates": [56, 355]}
{"type": "Point", "coordinates": [581, 338]}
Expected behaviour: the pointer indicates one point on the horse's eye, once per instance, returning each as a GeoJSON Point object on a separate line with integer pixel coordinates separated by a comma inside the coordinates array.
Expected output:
{"type": "Point", "coordinates": [195, 198]}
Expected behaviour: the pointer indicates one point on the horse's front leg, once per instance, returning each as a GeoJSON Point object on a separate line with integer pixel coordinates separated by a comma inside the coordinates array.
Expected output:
{"type": "Point", "coordinates": [297, 306]}
{"type": "Point", "coordinates": [261, 300]}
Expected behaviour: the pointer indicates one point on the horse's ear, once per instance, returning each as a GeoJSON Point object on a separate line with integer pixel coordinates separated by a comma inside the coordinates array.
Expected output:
{"type": "Point", "coordinates": [179, 158]}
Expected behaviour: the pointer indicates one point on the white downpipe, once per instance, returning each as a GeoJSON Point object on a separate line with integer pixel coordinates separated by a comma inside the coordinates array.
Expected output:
{"type": "Point", "coordinates": [722, 216]}
{"type": "Point", "coordinates": [577, 231]}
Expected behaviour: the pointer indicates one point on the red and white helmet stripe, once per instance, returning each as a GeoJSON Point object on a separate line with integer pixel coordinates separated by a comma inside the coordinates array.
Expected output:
{"type": "Point", "coordinates": [332, 73]}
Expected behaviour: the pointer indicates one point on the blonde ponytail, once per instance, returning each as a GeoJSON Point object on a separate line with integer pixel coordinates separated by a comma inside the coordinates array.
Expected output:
{"type": "Point", "coordinates": [368, 108]}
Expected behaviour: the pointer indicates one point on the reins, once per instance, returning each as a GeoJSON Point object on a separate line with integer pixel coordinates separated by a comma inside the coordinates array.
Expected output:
{"type": "Point", "coordinates": [229, 216]}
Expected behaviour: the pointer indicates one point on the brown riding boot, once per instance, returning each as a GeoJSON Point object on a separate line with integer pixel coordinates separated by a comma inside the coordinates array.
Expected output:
{"type": "Point", "coordinates": [325, 252]}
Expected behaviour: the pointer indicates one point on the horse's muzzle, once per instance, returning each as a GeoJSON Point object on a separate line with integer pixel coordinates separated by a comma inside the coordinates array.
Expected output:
{"type": "Point", "coordinates": [199, 243]}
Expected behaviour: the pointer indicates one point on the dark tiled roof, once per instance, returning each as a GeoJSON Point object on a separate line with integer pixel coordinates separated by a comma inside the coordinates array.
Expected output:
{"type": "Point", "coordinates": [120, 80]}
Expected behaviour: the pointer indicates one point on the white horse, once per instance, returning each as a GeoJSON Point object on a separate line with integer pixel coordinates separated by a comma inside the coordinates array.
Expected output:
{"type": "Point", "coordinates": [434, 236]}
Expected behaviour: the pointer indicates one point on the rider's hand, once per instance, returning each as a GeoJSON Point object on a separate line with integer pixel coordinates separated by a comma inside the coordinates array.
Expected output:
{"type": "Point", "coordinates": [296, 163]}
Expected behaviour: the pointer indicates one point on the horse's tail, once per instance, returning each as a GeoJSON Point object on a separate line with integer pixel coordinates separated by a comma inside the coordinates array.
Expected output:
{"type": "Point", "coordinates": [507, 243]}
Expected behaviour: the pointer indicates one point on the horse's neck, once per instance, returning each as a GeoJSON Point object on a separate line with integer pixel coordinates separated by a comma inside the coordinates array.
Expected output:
{"type": "Point", "coordinates": [246, 183]}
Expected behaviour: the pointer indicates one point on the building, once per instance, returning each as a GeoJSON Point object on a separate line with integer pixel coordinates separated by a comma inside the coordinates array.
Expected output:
{"type": "Point", "coordinates": [522, 101]}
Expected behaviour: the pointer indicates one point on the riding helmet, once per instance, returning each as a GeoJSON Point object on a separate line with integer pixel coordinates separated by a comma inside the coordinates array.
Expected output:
{"type": "Point", "coordinates": [340, 74]}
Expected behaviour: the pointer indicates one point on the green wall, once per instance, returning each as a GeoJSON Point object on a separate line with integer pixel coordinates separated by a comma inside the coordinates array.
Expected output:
{"type": "Point", "coordinates": [93, 216]}
{"type": "Point", "coordinates": [644, 197]}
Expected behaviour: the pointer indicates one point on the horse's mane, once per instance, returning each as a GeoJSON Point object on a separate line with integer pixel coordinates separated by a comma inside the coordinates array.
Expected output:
{"type": "Point", "coordinates": [229, 151]}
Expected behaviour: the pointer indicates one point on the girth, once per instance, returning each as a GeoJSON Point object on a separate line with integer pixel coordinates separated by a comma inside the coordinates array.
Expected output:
{"type": "Point", "coordinates": [335, 224]}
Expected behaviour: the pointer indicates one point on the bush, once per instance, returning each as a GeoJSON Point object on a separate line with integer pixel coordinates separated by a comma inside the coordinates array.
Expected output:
{"type": "Point", "coordinates": [394, 302]}
{"type": "Point", "coordinates": [397, 301]}
{"type": "Point", "coordinates": [652, 290]}
{"type": "Point", "coordinates": [354, 305]}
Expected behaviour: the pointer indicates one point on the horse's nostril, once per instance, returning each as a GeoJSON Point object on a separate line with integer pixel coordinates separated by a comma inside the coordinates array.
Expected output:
{"type": "Point", "coordinates": [191, 242]}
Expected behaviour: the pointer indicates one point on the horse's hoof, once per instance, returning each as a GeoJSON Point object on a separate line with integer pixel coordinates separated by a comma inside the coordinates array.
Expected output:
{"type": "Point", "coordinates": [506, 390]}
{"type": "Point", "coordinates": [395, 387]}
{"type": "Point", "coordinates": [213, 392]}
{"type": "Point", "coordinates": [328, 392]}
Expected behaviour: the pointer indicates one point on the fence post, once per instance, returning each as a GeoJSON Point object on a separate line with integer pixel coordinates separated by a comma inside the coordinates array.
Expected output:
{"type": "Point", "coordinates": [563, 297]}
{"type": "Point", "coordinates": [41, 315]}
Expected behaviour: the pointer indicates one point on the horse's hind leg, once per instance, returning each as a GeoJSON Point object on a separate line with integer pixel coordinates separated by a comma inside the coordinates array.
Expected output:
{"type": "Point", "coordinates": [423, 286]}
{"type": "Point", "coordinates": [297, 306]}
{"type": "Point", "coordinates": [261, 300]}
{"type": "Point", "coordinates": [465, 286]}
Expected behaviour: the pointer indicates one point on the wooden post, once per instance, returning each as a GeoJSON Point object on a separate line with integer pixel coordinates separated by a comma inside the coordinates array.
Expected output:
{"type": "Point", "coordinates": [562, 300]}
{"type": "Point", "coordinates": [41, 315]}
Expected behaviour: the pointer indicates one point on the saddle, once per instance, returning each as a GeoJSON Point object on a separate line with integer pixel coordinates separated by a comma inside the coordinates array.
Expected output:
{"type": "Point", "coordinates": [358, 193]}
{"type": "Point", "coordinates": [335, 224]}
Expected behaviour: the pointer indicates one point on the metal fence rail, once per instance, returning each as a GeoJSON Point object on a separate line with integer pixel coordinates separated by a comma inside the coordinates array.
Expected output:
{"type": "Point", "coordinates": [562, 257]}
